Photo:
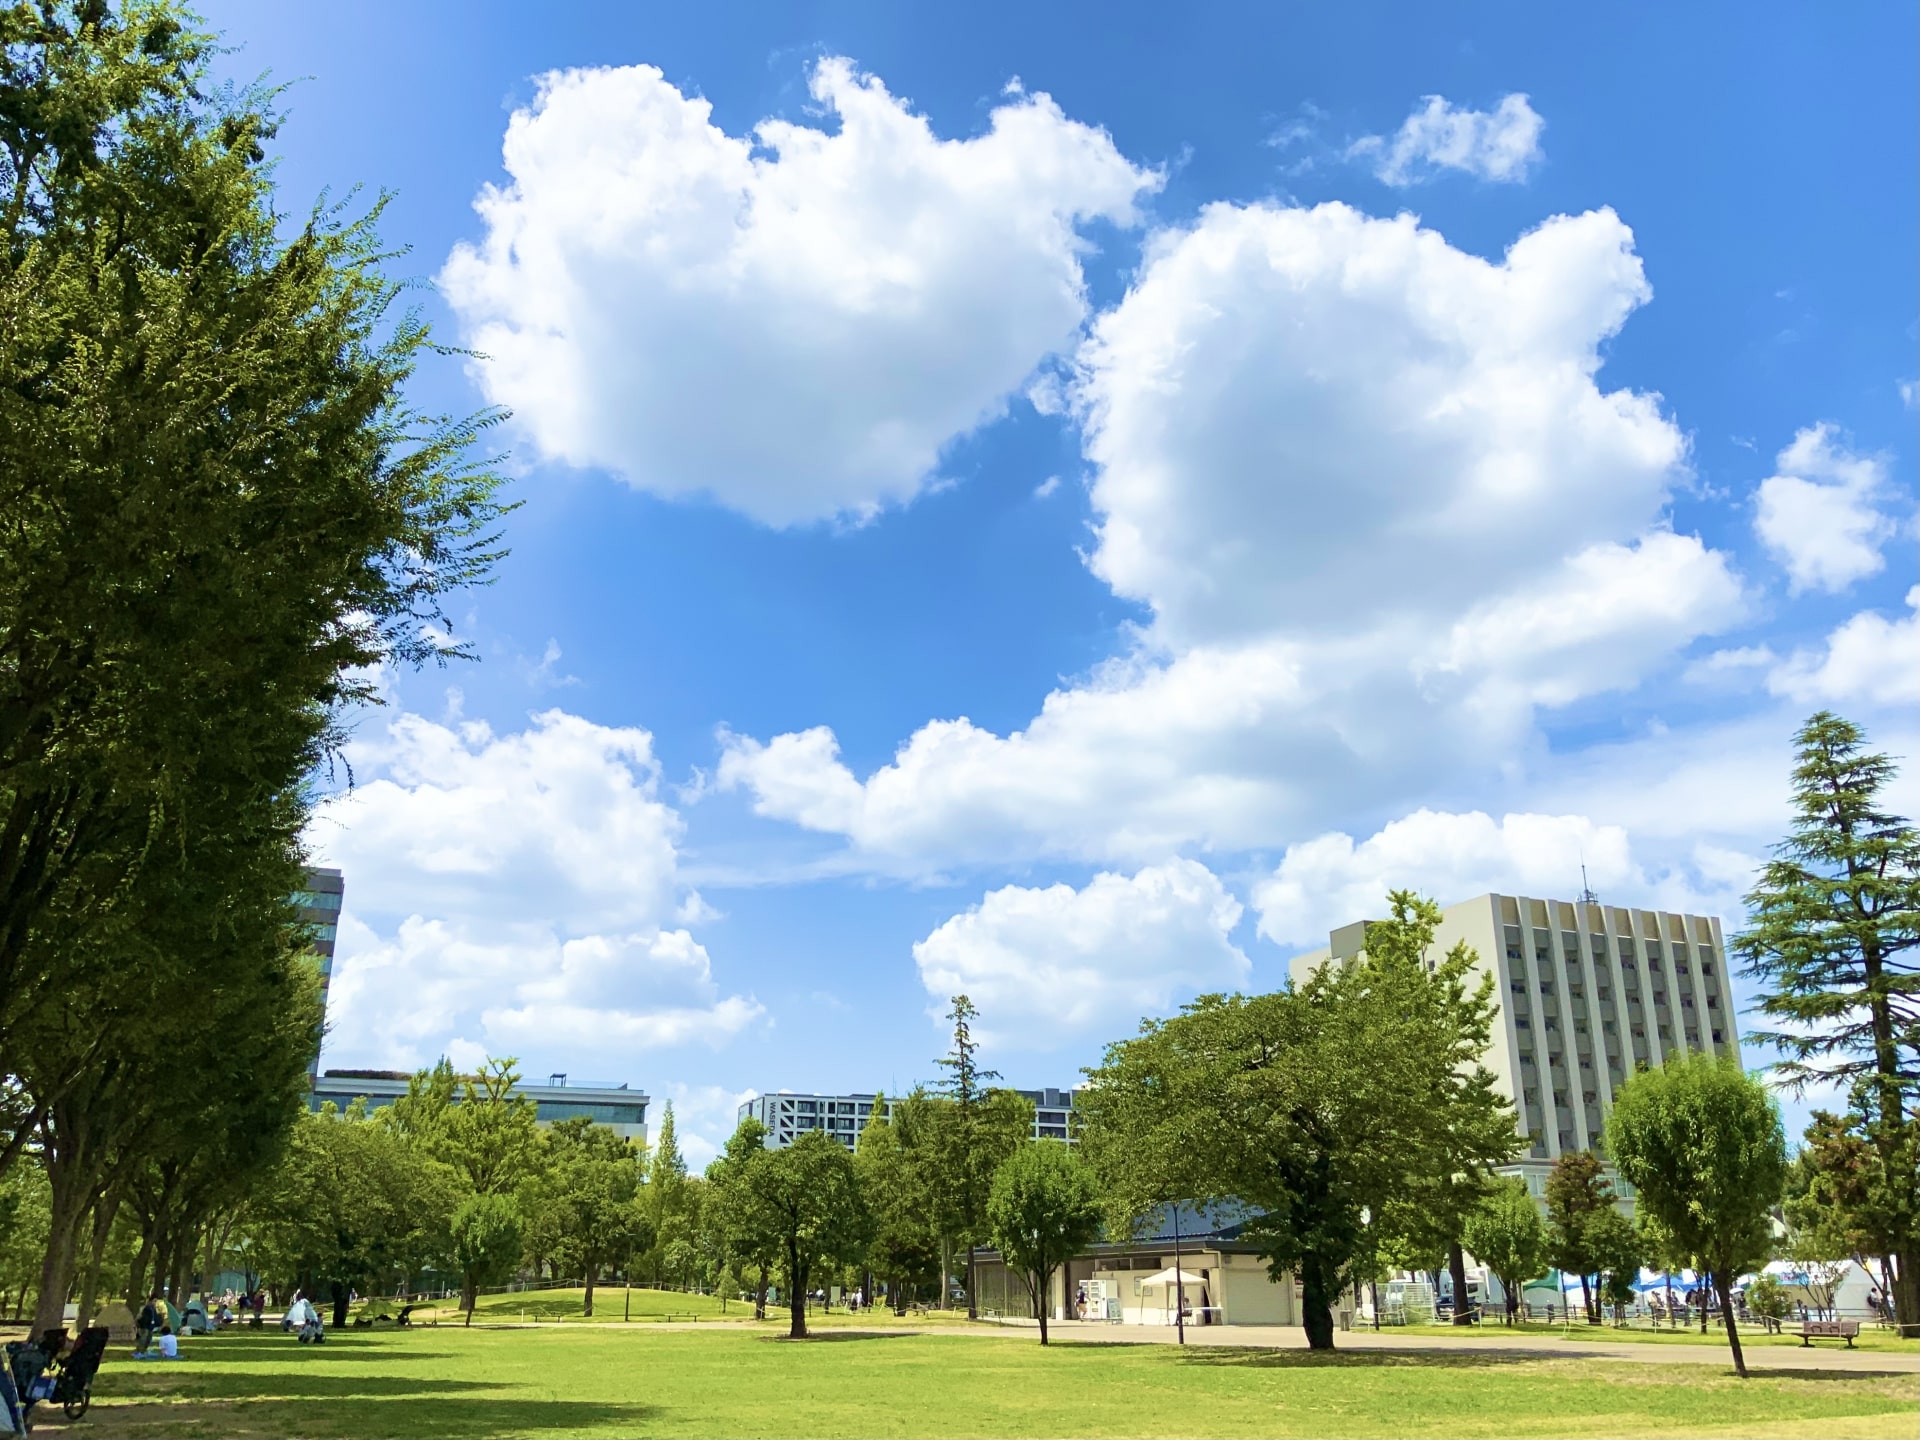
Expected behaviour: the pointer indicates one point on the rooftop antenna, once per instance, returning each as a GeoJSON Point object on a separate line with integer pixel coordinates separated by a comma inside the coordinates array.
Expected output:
{"type": "Point", "coordinates": [1587, 897]}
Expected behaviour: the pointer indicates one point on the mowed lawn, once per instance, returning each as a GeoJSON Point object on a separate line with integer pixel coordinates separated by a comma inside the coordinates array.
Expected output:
{"type": "Point", "coordinates": [595, 1380]}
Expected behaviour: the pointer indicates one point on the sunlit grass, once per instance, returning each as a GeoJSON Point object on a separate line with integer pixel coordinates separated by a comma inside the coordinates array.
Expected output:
{"type": "Point", "coordinates": [489, 1383]}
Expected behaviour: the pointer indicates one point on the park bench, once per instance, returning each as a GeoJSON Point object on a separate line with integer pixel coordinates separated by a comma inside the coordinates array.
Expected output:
{"type": "Point", "coordinates": [1812, 1330]}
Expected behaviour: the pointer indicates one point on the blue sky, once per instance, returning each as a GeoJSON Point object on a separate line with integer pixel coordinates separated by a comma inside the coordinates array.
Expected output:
{"type": "Point", "coordinates": [1074, 501]}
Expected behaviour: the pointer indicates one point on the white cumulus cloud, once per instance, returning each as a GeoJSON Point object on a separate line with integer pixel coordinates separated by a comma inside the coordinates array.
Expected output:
{"type": "Point", "coordinates": [1379, 510]}
{"type": "Point", "coordinates": [1332, 880]}
{"type": "Point", "coordinates": [514, 894]}
{"type": "Point", "coordinates": [1501, 144]}
{"type": "Point", "coordinates": [1048, 965]}
{"type": "Point", "coordinates": [1867, 658]}
{"type": "Point", "coordinates": [1820, 514]}
{"type": "Point", "coordinates": [793, 321]}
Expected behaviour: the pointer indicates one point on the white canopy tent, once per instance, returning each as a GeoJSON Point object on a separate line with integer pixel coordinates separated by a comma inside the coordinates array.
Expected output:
{"type": "Point", "coordinates": [1170, 1278]}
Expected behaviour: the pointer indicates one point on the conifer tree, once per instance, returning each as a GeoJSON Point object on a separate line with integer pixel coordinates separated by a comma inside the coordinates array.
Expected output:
{"type": "Point", "coordinates": [1835, 945]}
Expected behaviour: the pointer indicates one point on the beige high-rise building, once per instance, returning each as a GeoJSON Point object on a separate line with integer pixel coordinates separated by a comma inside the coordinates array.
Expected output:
{"type": "Point", "coordinates": [1587, 992]}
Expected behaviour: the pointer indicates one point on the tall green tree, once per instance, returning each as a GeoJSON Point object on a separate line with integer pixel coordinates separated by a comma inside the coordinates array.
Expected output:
{"type": "Point", "coordinates": [1043, 1210]}
{"type": "Point", "coordinates": [485, 1233]}
{"type": "Point", "coordinates": [588, 1213]}
{"type": "Point", "coordinates": [1700, 1142]}
{"type": "Point", "coordinates": [750, 1231]}
{"type": "Point", "coordinates": [492, 1136]}
{"type": "Point", "coordinates": [221, 514]}
{"type": "Point", "coordinates": [1839, 1195]}
{"type": "Point", "coordinates": [1578, 1196]}
{"type": "Point", "coordinates": [1320, 1106]}
{"type": "Point", "coordinates": [1474, 1126]}
{"type": "Point", "coordinates": [967, 1162]}
{"type": "Point", "coordinates": [1507, 1235]}
{"type": "Point", "coordinates": [1834, 942]}
{"type": "Point", "coordinates": [808, 1196]}
{"type": "Point", "coordinates": [905, 1250]}
{"type": "Point", "coordinates": [666, 1194]}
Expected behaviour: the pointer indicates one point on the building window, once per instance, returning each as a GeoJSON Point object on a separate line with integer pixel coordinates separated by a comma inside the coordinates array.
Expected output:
{"type": "Point", "coordinates": [1521, 1022]}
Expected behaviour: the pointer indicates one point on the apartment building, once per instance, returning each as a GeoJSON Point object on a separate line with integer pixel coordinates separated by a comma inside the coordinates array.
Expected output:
{"type": "Point", "coordinates": [788, 1116]}
{"type": "Point", "coordinates": [1588, 992]}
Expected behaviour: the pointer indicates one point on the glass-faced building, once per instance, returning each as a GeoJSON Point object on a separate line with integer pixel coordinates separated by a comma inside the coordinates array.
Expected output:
{"type": "Point", "coordinates": [1587, 993]}
{"type": "Point", "coordinates": [319, 903]}
{"type": "Point", "coordinates": [622, 1110]}
{"type": "Point", "coordinates": [788, 1116]}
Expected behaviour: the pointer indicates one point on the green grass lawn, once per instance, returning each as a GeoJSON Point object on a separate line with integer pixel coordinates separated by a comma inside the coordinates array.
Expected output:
{"type": "Point", "coordinates": [578, 1380]}
{"type": "Point", "coordinates": [613, 1303]}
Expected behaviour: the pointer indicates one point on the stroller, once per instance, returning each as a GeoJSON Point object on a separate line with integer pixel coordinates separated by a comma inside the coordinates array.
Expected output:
{"type": "Point", "coordinates": [70, 1385]}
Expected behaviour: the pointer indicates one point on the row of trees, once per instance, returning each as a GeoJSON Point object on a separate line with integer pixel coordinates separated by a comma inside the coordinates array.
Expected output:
{"type": "Point", "coordinates": [221, 520]}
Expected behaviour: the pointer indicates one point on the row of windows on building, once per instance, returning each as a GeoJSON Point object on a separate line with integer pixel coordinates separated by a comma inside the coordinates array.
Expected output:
{"type": "Point", "coordinates": [1615, 964]}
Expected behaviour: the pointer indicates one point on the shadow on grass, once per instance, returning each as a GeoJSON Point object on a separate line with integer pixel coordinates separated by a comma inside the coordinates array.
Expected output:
{"type": "Point", "coordinates": [1364, 1359]}
{"type": "Point", "coordinates": [423, 1415]}
{"type": "Point", "coordinates": [827, 1335]}
{"type": "Point", "coordinates": [363, 1346]}
{"type": "Point", "coordinates": [284, 1385]}
{"type": "Point", "coordinates": [1764, 1372]}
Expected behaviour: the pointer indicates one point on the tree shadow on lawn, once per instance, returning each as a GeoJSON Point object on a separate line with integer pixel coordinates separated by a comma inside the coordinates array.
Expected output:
{"type": "Point", "coordinates": [1364, 1359]}
{"type": "Point", "coordinates": [424, 1415]}
{"type": "Point", "coordinates": [1765, 1372]}
{"type": "Point", "coordinates": [836, 1335]}
{"type": "Point", "coordinates": [284, 1385]}
{"type": "Point", "coordinates": [254, 1348]}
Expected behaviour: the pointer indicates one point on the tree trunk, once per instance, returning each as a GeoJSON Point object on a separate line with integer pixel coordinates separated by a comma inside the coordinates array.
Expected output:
{"type": "Point", "coordinates": [1316, 1304]}
{"type": "Point", "coordinates": [586, 1309]}
{"type": "Point", "coordinates": [69, 1212]}
{"type": "Point", "coordinates": [1723, 1288]}
{"type": "Point", "coordinates": [1457, 1264]}
{"type": "Point", "coordinates": [1711, 1280]}
{"type": "Point", "coordinates": [1906, 1292]}
{"type": "Point", "coordinates": [973, 1308]}
{"type": "Point", "coordinates": [1041, 1282]}
{"type": "Point", "coordinates": [946, 1273]}
{"type": "Point", "coordinates": [137, 1287]}
{"type": "Point", "coordinates": [1586, 1298]}
{"type": "Point", "coordinates": [469, 1293]}
{"type": "Point", "coordinates": [760, 1294]}
{"type": "Point", "coordinates": [797, 1296]}
{"type": "Point", "coordinates": [103, 1212]}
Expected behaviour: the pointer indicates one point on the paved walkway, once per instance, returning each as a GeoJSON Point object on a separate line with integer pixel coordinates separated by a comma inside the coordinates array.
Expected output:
{"type": "Point", "coordinates": [1829, 1355]}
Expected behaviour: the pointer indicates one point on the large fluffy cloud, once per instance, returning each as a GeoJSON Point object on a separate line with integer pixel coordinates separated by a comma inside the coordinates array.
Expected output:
{"type": "Point", "coordinates": [515, 894]}
{"type": "Point", "coordinates": [1333, 880]}
{"type": "Point", "coordinates": [793, 321]}
{"type": "Point", "coordinates": [1867, 658]}
{"type": "Point", "coordinates": [1047, 966]}
{"type": "Point", "coordinates": [1820, 513]}
{"type": "Point", "coordinates": [1380, 512]}
{"type": "Point", "coordinates": [1502, 144]}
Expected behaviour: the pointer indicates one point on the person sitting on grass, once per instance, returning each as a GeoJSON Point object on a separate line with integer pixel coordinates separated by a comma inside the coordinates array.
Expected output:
{"type": "Point", "coordinates": [167, 1347]}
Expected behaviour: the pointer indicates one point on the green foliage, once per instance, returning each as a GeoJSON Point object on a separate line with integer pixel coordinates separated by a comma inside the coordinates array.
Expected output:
{"type": "Point", "coordinates": [1506, 1233]}
{"type": "Point", "coordinates": [1767, 1300]}
{"type": "Point", "coordinates": [485, 1235]}
{"type": "Point", "coordinates": [1044, 1209]}
{"type": "Point", "coordinates": [748, 1233]}
{"type": "Point", "coordinates": [1700, 1142]}
{"type": "Point", "coordinates": [351, 1205]}
{"type": "Point", "coordinates": [1618, 1251]}
{"type": "Point", "coordinates": [220, 513]}
{"type": "Point", "coordinates": [1321, 1106]}
{"type": "Point", "coordinates": [960, 1144]}
{"type": "Point", "coordinates": [667, 1199]}
{"type": "Point", "coordinates": [905, 1250]}
{"type": "Point", "coordinates": [1578, 1195]}
{"type": "Point", "coordinates": [1835, 944]}
{"type": "Point", "coordinates": [808, 1198]}
{"type": "Point", "coordinates": [492, 1137]}
{"type": "Point", "coordinates": [585, 1210]}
